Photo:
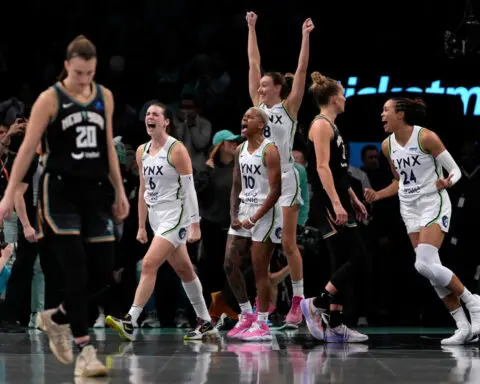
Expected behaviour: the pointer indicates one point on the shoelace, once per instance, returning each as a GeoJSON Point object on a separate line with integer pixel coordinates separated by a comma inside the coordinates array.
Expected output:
{"type": "Point", "coordinates": [241, 319]}
{"type": "Point", "coordinates": [255, 327]}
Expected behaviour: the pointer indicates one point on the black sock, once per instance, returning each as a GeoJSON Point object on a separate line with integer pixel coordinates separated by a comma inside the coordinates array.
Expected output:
{"type": "Point", "coordinates": [83, 345]}
{"type": "Point", "coordinates": [60, 318]}
{"type": "Point", "coordinates": [336, 318]}
{"type": "Point", "coordinates": [323, 301]}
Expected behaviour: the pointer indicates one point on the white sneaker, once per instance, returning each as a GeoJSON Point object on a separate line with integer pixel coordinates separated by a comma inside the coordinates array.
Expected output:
{"type": "Point", "coordinates": [474, 309]}
{"type": "Point", "coordinates": [460, 337]}
{"type": "Point", "coordinates": [100, 322]}
{"type": "Point", "coordinates": [151, 320]}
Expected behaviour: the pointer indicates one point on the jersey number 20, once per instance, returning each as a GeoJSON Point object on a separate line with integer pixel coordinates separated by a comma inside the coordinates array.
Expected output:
{"type": "Point", "coordinates": [87, 137]}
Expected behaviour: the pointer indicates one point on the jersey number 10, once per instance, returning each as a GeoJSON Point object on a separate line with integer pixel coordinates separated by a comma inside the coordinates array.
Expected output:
{"type": "Point", "coordinates": [87, 136]}
{"type": "Point", "coordinates": [249, 182]}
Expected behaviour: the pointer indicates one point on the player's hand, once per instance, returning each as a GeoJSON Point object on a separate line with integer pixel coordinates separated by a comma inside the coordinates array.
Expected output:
{"type": "Point", "coordinates": [7, 251]}
{"type": "Point", "coordinates": [251, 19]}
{"type": "Point", "coordinates": [340, 214]}
{"type": "Point", "coordinates": [370, 195]}
{"type": "Point", "coordinates": [307, 26]}
{"type": "Point", "coordinates": [29, 234]}
{"type": "Point", "coordinates": [6, 208]}
{"type": "Point", "coordinates": [360, 210]}
{"type": "Point", "coordinates": [194, 233]}
{"type": "Point", "coordinates": [444, 183]}
{"type": "Point", "coordinates": [236, 224]}
{"type": "Point", "coordinates": [248, 223]}
{"type": "Point", "coordinates": [121, 206]}
{"type": "Point", "coordinates": [142, 235]}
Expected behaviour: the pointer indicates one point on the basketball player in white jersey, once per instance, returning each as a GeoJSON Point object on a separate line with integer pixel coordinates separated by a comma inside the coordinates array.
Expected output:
{"type": "Point", "coordinates": [270, 94]}
{"type": "Point", "coordinates": [417, 157]}
{"type": "Point", "coordinates": [255, 221]}
{"type": "Point", "coordinates": [169, 198]}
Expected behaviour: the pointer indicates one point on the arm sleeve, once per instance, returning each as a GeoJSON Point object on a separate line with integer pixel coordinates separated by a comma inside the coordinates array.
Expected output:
{"type": "Point", "coordinates": [190, 196]}
{"type": "Point", "coordinates": [446, 160]}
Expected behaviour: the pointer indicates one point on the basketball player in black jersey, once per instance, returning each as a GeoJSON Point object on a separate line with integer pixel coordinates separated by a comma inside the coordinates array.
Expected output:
{"type": "Point", "coordinates": [337, 205]}
{"type": "Point", "coordinates": [75, 118]}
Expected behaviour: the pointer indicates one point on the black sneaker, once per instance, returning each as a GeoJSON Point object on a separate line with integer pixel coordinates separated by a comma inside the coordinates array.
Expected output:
{"type": "Point", "coordinates": [11, 327]}
{"type": "Point", "coordinates": [204, 328]}
{"type": "Point", "coordinates": [123, 327]}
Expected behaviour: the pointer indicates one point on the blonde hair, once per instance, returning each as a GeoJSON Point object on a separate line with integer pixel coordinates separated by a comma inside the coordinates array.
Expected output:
{"type": "Point", "coordinates": [323, 88]}
{"type": "Point", "coordinates": [261, 113]}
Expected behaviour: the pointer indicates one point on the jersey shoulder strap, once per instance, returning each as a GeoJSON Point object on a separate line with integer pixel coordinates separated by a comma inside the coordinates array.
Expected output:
{"type": "Point", "coordinates": [169, 148]}
{"type": "Point", "coordinates": [264, 150]}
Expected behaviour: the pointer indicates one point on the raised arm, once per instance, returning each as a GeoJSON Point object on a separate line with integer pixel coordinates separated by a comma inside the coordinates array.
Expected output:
{"type": "Point", "coordinates": [294, 99]}
{"type": "Point", "coordinates": [272, 162]}
{"type": "Point", "coordinates": [254, 72]}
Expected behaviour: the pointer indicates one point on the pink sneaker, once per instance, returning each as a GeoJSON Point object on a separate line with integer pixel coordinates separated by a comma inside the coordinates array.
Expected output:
{"type": "Point", "coordinates": [295, 317]}
{"type": "Point", "coordinates": [244, 322]}
{"type": "Point", "coordinates": [259, 331]}
{"type": "Point", "coordinates": [271, 307]}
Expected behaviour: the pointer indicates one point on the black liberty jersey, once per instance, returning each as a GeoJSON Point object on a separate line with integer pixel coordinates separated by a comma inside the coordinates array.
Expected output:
{"type": "Point", "coordinates": [76, 138]}
{"type": "Point", "coordinates": [338, 160]}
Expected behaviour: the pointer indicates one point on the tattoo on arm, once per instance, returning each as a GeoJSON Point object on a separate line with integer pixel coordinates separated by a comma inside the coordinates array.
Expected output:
{"type": "Point", "coordinates": [236, 254]}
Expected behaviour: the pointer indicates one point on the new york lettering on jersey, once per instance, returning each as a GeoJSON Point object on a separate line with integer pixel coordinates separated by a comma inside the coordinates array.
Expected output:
{"type": "Point", "coordinates": [280, 130]}
{"type": "Point", "coordinates": [255, 186]}
{"type": "Point", "coordinates": [417, 169]}
{"type": "Point", "coordinates": [75, 139]}
{"type": "Point", "coordinates": [162, 181]}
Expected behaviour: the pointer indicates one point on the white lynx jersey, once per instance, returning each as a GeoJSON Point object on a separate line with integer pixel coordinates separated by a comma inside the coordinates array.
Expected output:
{"type": "Point", "coordinates": [417, 169]}
{"type": "Point", "coordinates": [281, 131]}
{"type": "Point", "coordinates": [162, 181]}
{"type": "Point", "coordinates": [255, 186]}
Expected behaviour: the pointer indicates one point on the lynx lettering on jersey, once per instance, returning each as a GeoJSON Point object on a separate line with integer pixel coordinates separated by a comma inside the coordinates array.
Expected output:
{"type": "Point", "coordinates": [253, 169]}
{"type": "Point", "coordinates": [405, 162]}
{"type": "Point", "coordinates": [155, 170]}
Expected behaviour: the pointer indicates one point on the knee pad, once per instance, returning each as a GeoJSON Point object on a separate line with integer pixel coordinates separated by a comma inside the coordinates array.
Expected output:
{"type": "Point", "coordinates": [428, 265]}
{"type": "Point", "coordinates": [442, 292]}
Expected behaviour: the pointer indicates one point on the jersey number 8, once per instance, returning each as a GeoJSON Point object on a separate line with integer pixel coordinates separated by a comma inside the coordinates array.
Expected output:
{"type": "Point", "coordinates": [87, 137]}
{"type": "Point", "coordinates": [267, 132]}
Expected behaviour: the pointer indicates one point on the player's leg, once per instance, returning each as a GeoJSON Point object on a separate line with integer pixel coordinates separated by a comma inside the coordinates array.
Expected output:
{"type": "Point", "coordinates": [289, 202]}
{"type": "Point", "coordinates": [181, 263]}
{"type": "Point", "coordinates": [261, 255]}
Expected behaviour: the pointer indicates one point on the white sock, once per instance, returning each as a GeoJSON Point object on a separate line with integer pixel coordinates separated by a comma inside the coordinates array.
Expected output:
{"type": "Point", "coordinates": [297, 287]}
{"type": "Point", "coordinates": [460, 318]}
{"type": "Point", "coordinates": [193, 289]}
{"type": "Point", "coordinates": [262, 316]}
{"type": "Point", "coordinates": [135, 312]}
{"type": "Point", "coordinates": [246, 307]}
{"type": "Point", "coordinates": [467, 296]}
